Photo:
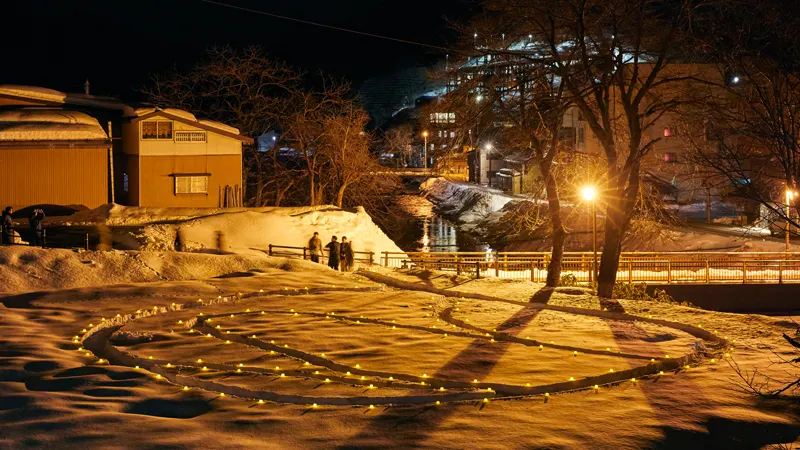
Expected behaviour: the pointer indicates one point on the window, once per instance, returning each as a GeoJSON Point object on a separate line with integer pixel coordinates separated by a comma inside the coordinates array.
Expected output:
{"type": "Point", "coordinates": [670, 157]}
{"type": "Point", "coordinates": [195, 184]}
{"type": "Point", "coordinates": [190, 136]}
{"type": "Point", "coordinates": [443, 117]}
{"type": "Point", "coordinates": [157, 129]}
{"type": "Point", "coordinates": [125, 182]}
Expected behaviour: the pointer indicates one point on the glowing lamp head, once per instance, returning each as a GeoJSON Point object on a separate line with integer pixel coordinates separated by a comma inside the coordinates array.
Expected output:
{"type": "Point", "coordinates": [589, 193]}
{"type": "Point", "coordinates": [425, 133]}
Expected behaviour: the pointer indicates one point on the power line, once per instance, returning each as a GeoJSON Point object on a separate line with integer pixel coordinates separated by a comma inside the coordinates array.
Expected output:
{"type": "Point", "coordinates": [346, 30]}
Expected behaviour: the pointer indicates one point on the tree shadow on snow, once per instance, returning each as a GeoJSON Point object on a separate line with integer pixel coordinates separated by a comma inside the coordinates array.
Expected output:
{"type": "Point", "coordinates": [474, 362]}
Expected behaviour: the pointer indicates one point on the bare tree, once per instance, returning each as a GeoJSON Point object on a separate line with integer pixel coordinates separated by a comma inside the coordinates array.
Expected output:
{"type": "Point", "coordinates": [345, 144]}
{"type": "Point", "coordinates": [751, 109]}
{"type": "Point", "coordinates": [524, 105]}
{"type": "Point", "coordinates": [613, 59]}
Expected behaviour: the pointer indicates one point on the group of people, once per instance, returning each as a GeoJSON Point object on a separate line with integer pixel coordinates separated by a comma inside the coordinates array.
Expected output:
{"type": "Point", "coordinates": [36, 226]}
{"type": "Point", "coordinates": [341, 255]}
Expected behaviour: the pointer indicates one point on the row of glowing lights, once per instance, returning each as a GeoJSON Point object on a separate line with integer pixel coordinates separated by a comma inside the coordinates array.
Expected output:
{"type": "Point", "coordinates": [327, 380]}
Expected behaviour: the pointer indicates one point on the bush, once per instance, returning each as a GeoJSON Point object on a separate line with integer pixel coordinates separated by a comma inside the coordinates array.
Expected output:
{"type": "Point", "coordinates": [568, 280]}
{"type": "Point", "coordinates": [631, 291]}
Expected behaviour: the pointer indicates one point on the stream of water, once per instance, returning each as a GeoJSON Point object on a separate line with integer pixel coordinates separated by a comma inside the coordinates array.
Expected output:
{"type": "Point", "coordinates": [429, 232]}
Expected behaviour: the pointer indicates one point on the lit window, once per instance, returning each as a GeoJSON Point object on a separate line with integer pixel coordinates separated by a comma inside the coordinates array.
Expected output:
{"type": "Point", "coordinates": [670, 157]}
{"type": "Point", "coordinates": [667, 132]}
{"type": "Point", "coordinates": [157, 129]}
{"type": "Point", "coordinates": [191, 184]}
{"type": "Point", "coordinates": [443, 117]}
{"type": "Point", "coordinates": [125, 182]}
{"type": "Point", "coordinates": [452, 134]}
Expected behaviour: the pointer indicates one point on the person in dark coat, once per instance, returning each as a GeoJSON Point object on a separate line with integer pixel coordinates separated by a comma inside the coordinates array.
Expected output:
{"type": "Point", "coordinates": [37, 228]}
{"type": "Point", "coordinates": [315, 247]}
{"type": "Point", "coordinates": [8, 226]}
{"type": "Point", "coordinates": [346, 255]}
{"type": "Point", "coordinates": [333, 253]}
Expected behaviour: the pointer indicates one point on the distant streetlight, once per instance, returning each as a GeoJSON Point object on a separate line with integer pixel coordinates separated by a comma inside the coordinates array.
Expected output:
{"type": "Point", "coordinates": [425, 150]}
{"type": "Point", "coordinates": [589, 194]}
{"type": "Point", "coordinates": [488, 146]}
{"type": "Point", "coordinates": [479, 98]}
{"type": "Point", "coordinates": [789, 196]}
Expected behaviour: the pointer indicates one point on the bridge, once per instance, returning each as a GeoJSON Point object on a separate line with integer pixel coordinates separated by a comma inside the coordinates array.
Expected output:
{"type": "Point", "coordinates": [634, 267]}
{"type": "Point", "coordinates": [416, 172]}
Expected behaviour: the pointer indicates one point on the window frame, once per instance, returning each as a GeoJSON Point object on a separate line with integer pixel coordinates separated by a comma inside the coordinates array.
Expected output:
{"type": "Point", "coordinates": [157, 138]}
{"type": "Point", "coordinates": [191, 184]}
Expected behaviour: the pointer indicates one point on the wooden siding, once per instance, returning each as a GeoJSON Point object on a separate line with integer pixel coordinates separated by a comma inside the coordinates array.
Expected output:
{"type": "Point", "coordinates": [59, 176]}
{"type": "Point", "coordinates": [157, 185]}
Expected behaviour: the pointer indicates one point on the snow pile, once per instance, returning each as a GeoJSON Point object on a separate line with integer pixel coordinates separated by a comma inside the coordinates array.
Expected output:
{"type": "Point", "coordinates": [48, 124]}
{"type": "Point", "coordinates": [464, 202]}
{"type": "Point", "coordinates": [24, 269]}
{"type": "Point", "coordinates": [252, 232]}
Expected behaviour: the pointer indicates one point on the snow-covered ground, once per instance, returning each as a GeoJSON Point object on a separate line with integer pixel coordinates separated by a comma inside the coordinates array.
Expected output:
{"type": "Point", "coordinates": [391, 360]}
{"type": "Point", "coordinates": [464, 202]}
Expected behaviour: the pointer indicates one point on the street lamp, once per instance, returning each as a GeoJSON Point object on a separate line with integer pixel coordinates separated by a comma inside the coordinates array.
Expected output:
{"type": "Point", "coordinates": [425, 150]}
{"type": "Point", "coordinates": [789, 196]}
{"type": "Point", "coordinates": [589, 194]}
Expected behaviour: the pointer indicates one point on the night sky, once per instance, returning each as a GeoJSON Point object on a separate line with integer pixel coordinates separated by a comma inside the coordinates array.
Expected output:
{"type": "Point", "coordinates": [117, 44]}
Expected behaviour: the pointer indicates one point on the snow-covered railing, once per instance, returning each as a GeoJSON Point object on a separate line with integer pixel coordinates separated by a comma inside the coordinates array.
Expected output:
{"type": "Point", "coordinates": [634, 267]}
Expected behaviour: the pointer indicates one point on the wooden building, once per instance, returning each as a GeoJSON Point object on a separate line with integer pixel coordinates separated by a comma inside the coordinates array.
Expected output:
{"type": "Point", "coordinates": [172, 159]}
{"type": "Point", "coordinates": [150, 157]}
{"type": "Point", "coordinates": [52, 156]}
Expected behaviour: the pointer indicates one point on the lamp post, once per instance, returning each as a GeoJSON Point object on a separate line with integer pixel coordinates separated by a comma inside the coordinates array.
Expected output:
{"type": "Point", "coordinates": [789, 196]}
{"type": "Point", "coordinates": [589, 193]}
{"type": "Point", "coordinates": [425, 150]}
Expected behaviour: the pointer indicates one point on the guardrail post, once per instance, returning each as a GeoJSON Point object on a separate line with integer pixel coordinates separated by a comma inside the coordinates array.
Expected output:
{"type": "Point", "coordinates": [478, 270]}
{"type": "Point", "coordinates": [44, 238]}
{"type": "Point", "coordinates": [458, 267]}
{"type": "Point", "coordinates": [496, 264]}
{"type": "Point", "coordinates": [270, 250]}
{"type": "Point", "coordinates": [708, 269]}
{"type": "Point", "coordinates": [386, 258]}
{"type": "Point", "coordinates": [780, 272]}
{"type": "Point", "coordinates": [304, 253]}
{"type": "Point", "coordinates": [371, 258]}
{"type": "Point", "coordinates": [744, 272]}
{"type": "Point", "coordinates": [533, 273]}
{"type": "Point", "coordinates": [630, 272]}
{"type": "Point", "coordinates": [87, 242]}
{"type": "Point", "coordinates": [669, 272]}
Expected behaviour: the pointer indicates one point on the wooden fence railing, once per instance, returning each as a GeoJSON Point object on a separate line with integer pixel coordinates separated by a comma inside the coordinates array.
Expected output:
{"type": "Point", "coordinates": [634, 267]}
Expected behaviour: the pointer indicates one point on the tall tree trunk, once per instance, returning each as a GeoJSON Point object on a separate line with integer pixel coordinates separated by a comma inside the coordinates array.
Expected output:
{"type": "Point", "coordinates": [554, 209]}
{"type": "Point", "coordinates": [612, 249]}
{"type": "Point", "coordinates": [340, 195]}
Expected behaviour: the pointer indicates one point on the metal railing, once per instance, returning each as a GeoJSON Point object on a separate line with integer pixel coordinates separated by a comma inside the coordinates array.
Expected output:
{"type": "Point", "coordinates": [305, 253]}
{"type": "Point", "coordinates": [634, 267]}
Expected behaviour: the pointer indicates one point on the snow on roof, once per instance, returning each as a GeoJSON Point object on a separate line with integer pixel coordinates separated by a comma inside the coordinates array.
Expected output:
{"type": "Point", "coordinates": [143, 111]}
{"type": "Point", "coordinates": [48, 124]}
{"type": "Point", "coordinates": [32, 92]}
{"type": "Point", "coordinates": [219, 125]}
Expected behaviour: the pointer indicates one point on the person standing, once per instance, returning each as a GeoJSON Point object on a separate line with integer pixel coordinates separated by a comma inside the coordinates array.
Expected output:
{"type": "Point", "coordinates": [8, 226]}
{"type": "Point", "coordinates": [37, 228]}
{"type": "Point", "coordinates": [346, 255]}
{"type": "Point", "coordinates": [333, 253]}
{"type": "Point", "coordinates": [315, 247]}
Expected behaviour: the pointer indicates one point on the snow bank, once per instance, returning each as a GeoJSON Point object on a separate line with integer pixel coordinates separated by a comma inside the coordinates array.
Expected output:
{"type": "Point", "coordinates": [25, 269]}
{"type": "Point", "coordinates": [464, 202]}
{"type": "Point", "coordinates": [251, 232]}
{"type": "Point", "coordinates": [48, 124]}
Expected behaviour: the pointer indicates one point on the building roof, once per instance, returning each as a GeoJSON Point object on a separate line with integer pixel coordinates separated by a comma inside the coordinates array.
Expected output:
{"type": "Point", "coordinates": [51, 97]}
{"type": "Point", "coordinates": [49, 124]}
{"type": "Point", "coordinates": [189, 118]}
